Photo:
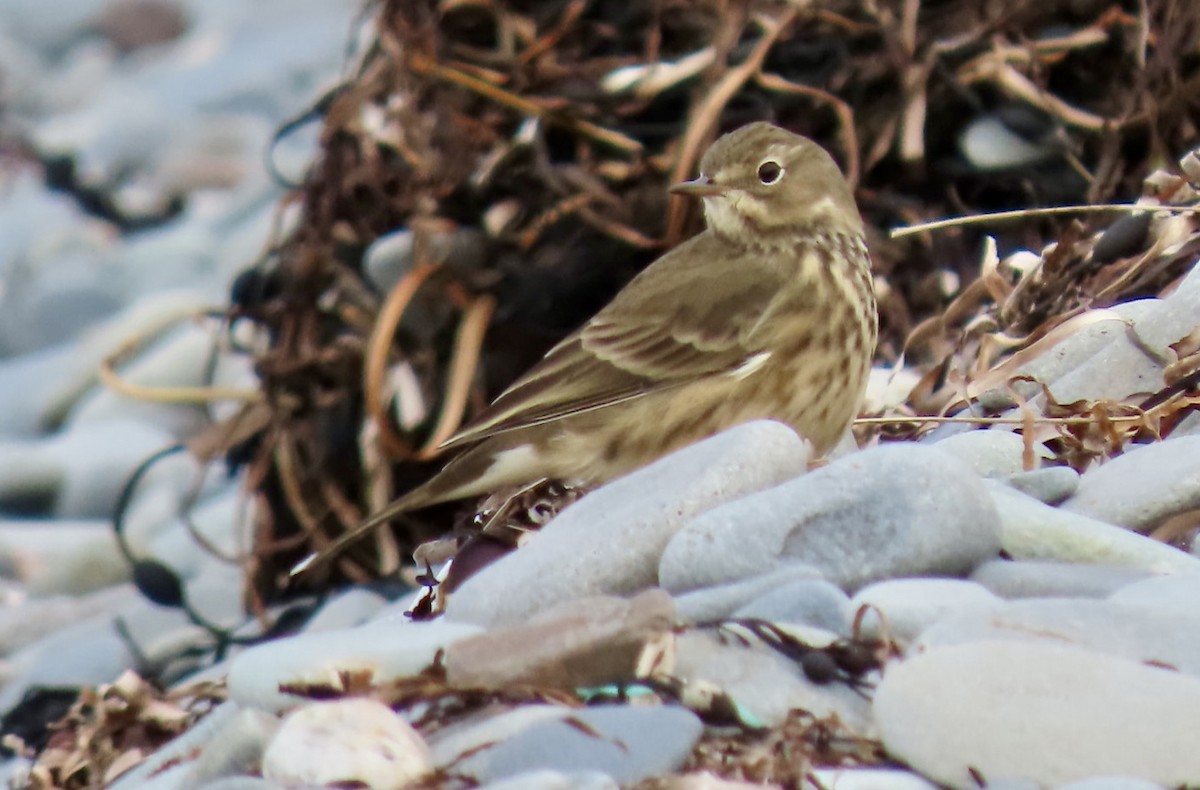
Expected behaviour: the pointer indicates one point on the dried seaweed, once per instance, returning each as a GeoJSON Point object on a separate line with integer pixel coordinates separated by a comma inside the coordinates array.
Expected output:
{"type": "Point", "coordinates": [527, 146]}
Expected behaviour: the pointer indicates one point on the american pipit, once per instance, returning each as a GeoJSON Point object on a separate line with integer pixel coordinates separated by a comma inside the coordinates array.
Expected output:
{"type": "Point", "coordinates": [769, 313]}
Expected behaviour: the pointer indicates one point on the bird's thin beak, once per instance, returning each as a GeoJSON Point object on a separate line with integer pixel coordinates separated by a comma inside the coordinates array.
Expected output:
{"type": "Point", "coordinates": [701, 186]}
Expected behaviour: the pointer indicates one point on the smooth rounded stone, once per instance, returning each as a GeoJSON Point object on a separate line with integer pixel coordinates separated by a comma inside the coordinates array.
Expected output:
{"type": "Point", "coordinates": [1071, 353]}
{"type": "Point", "coordinates": [1135, 632]}
{"type": "Point", "coordinates": [869, 779]}
{"type": "Point", "coordinates": [1188, 426]}
{"type": "Point", "coordinates": [582, 643]}
{"type": "Point", "coordinates": [220, 521]}
{"type": "Point", "coordinates": [236, 748]}
{"type": "Point", "coordinates": [346, 609]}
{"type": "Point", "coordinates": [888, 388]}
{"type": "Point", "coordinates": [707, 781]}
{"type": "Point", "coordinates": [1122, 368]}
{"type": "Point", "coordinates": [78, 473]}
{"type": "Point", "coordinates": [85, 654]}
{"type": "Point", "coordinates": [460, 747]}
{"type": "Point", "coordinates": [241, 783]}
{"type": "Point", "coordinates": [181, 358]}
{"type": "Point", "coordinates": [813, 602]}
{"type": "Point", "coordinates": [385, 651]}
{"type": "Point", "coordinates": [24, 622]}
{"type": "Point", "coordinates": [388, 259]}
{"type": "Point", "coordinates": [1050, 485]}
{"type": "Point", "coordinates": [175, 756]}
{"type": "Point", "coordinates": [1162, 592]}
{"type": "Point", "coordinates": [717, 603]}
{"type": "Point", "coordinates": [1030, 530]}
{"type": "Point", "coordinates": [1111, 783]}
{"type": "Point", "coordinates": [58, 304]}
{"type": "Point", "coordinates": [145, 317]}
{"type": "Point", "coordinates": [609, 542]}
{"type": "Point", "coordinates": [989, 144]}
{"type": "Point", "coordinates": [1047, 712]}
{"type": "Point", "coordinates": [354, 741]}
{"type": "Point", "coordinates": [555, 780]}
{"type": "Point", "coordinates": [903, 608]}
{"type": "Point", "coordinates": [1143, 486]}
{"type": "Point", "coordinates": [1042, 579]}
{"type": "Point", "coordinates": [627, 743]}
{"type": "Point", "coordinates": [766, 684]}
{"type": "Point", "coordinates": [61, 557]}
{"type": "Point", "coordinates": [893, 510]}
{"type": "Point", "coordinates": [987, 453]}
{"type": "Point", "coordinates": [26, 383]}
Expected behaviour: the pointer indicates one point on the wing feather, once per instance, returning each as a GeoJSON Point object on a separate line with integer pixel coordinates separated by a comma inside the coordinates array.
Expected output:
{"type": "Point", "coordinates": [647, 339]}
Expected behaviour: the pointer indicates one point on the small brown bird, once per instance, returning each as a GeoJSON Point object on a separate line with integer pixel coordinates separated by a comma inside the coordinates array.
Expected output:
{"type": "Point", "coordinates": [769, 313]}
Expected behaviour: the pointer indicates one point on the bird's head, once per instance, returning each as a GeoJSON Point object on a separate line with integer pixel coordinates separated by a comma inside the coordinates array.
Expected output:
{"type": "Point", "coordinates": [762, 184]}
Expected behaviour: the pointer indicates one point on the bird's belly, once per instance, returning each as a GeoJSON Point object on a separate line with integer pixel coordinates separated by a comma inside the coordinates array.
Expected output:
{"type": "Point", "coordinates": [607, 443]}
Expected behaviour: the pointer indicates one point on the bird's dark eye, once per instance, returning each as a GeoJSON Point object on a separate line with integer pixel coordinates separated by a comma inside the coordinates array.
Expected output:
{"type": "Point", "coordinates": [769, 172]}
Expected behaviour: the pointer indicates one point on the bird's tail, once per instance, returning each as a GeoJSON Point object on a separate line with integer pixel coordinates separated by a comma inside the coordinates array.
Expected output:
{"type": "Point", "coordinates": [496, 462]}
{"type": "Point", "coordinates": [414, 500]}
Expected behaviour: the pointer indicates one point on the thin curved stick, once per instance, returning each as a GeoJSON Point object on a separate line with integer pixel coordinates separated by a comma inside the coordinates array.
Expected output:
{"type": "Point", "coordinates": [468, 343]}
{"type": "Point", "coordinates": [378, 346]}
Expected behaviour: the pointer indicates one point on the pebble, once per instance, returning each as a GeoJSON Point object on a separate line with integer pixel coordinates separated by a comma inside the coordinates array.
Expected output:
{"type": "Point", "coordinates": [1044, 579]}
{"type": "Point", "coordinates": [988, 453]}
{"type": "Point", "coordinates": [765, 684]}
{"type": "Point", "coordinates": [715, 603]}
{"type": "Point", "coordinates": [353, 741]}
{"type": "Point", "coordinates": [1030, 530]}
{"type": "Point", "coordinates": [1050, 485]}
{"type": "Point", "coordinates": [1122, 369]}
{"type": "Point", "coordinates": [867, 779]}
{"type": "Point", "coordinates": [61, 557]}
{"type": "Point", "coordinates": [461, 747]}
{"type": "Point", "coordinates": [903, 608]}
{"type": "Point", "coordinates": [555, 780]}
{"type": "Point", "coordinates": [1044, 712]}
{"type": "Point", "coordinates": [609, 542]}
{"type": "Point", "coordinates": [384, 651]}
{"type": "Point", "coordinates": [627, 743]}
{"type": "Point", "coordinates": [1142, 487]}
{"type": "Point", "coordinates": [582, 643]}
{"type": "Point", "coordinates": [1164, 593]}
{"type": "Point", "coordinates": [893, 510]}
{"type": "Point", "coordinates": [1071, 353]}
{"type": "Point", "coordinates": [1165, 637]}
{"type": "Point", "coordinates": [812, 602]}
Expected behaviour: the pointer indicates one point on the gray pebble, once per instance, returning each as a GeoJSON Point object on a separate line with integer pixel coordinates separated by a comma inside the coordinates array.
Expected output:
{"type": "Point", "coordinates": [1041, 711]}
{"type": "Point", "coordinates": [987, 453]}
{"type": "Point", "coordinates": [627, 743]}
{"type": "Point", "coordinates": [1030, 530]}
{"type": "Point", "coordinates": [1051, 485]}
{"type": "Point", "coordinates": [716, 603]}
{"type": "Point", "coordinates": [894, 510]}
{"type": "Point", "coordinates": [1043, 579]}
{"type": "Point", "coordinates": [1179, 593]}
{"type": "Point", "coordinates": [812, 602]}
{"type": "Point", "coordinates": [1073, 352]}
{"type": "Point", "coordinates": [555, 780]}
{"type": "Point", "coordinates": [764, 683]}
{"type": "Point", "coordinates": [1111, 783]}
{"type": "Point", "coordinates": [1144, 486]}
{"type": "Point", "coordinates": [903, 608]}
{"type": "Point", "coordinates": [609, 542]}
{"type": "Point", "coordinates": [1133, 632]}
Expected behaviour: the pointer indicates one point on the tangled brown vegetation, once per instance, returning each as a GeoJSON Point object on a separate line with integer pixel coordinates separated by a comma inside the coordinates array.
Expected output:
{"type": "Point", "coordinates": [526, 147]}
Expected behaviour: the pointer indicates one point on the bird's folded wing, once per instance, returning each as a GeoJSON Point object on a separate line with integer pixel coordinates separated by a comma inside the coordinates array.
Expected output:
{"type": "Point", "coordinates": [631, 349]}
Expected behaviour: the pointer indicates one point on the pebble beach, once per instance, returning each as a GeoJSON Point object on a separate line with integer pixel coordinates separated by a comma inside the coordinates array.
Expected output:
{"type": "Point", "coordinates": [955, 611]}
